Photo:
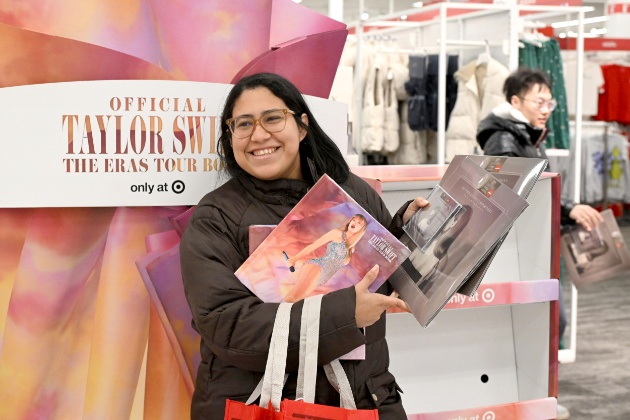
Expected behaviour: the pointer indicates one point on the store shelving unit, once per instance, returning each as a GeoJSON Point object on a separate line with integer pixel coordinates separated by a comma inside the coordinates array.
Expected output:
{"type": "Point", "coordinates": [498, 347]}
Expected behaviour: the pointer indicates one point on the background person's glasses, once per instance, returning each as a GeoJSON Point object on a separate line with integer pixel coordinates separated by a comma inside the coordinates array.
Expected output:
{"type": "Point", "coordinates": [271, 121]}
{"type": "Point", "coordinates": [551, 104]}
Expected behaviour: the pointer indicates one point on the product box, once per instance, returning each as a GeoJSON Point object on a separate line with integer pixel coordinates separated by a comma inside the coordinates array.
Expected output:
{"type": "Point", "coordinates": [520, 174]}
{"type": "Point", "coordinates": [595, 255]}
{"type": "Point", "coordinates": [428, 279]}
{"type": "Point", "coordinates": [325, 243]}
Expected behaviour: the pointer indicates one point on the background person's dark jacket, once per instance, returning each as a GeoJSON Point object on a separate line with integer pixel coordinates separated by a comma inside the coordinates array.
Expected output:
{"type": "Point", "coordinates": [499, 136]}
{"type": "Point", "coordinates": [501, 133]}
{"type": "Point", "coordinates": [236, 326]}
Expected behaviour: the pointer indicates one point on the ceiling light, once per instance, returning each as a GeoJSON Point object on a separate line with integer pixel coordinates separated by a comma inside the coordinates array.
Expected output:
{"type": "Point", "coordinates": [418, 4]}
{"type": "Point", "coordinates": [365, 16]}
{"type": "Point", "coordinates": [403, 17]}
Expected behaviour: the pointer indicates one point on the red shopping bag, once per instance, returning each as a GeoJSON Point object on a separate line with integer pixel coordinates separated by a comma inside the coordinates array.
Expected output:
{"type": "Point", "coordinates": [290, 409]}
{"type": "Point", "coordinates": [302, 410]}
{"type": "Point", "coordinates": [236, 410]}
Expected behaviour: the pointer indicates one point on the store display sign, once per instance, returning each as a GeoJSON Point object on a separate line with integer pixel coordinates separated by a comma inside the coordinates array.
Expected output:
{"type": "Point", "coordinates": [119, 143]}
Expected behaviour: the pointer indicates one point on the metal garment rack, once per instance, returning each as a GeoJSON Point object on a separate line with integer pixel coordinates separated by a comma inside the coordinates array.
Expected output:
{"type": "Point", "coordinates": [476, 10]}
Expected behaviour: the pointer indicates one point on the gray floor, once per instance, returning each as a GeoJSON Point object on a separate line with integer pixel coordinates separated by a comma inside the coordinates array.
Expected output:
{"type": "Point", "coordinates": [597, 384]}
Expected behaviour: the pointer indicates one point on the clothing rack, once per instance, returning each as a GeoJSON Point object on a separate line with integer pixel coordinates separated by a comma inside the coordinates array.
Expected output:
{"type": "Point", "coordinates": [452, 45]}
{"type": "Point", "coordinates": [441, 10]}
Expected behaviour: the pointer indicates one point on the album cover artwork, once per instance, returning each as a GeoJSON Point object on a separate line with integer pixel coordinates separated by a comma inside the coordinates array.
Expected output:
{"type": "Point", "coordinates": [257, 234]}
{"type": "Point", "coordinates": [596, 255]}
{"type": "Point", "coordinates": [586, 241]}
{"type": "Point", "coordinates": [325, 243]}
{"type": "Point", "coordinates": [520, 174]}
{"type": "Point", "coordinates": [429, 221]}
{"type": "Point", "coordinates": [428, 278]}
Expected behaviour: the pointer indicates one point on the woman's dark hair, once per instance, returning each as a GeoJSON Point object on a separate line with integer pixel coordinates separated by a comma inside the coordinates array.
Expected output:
{"type": "Point", "coordinates": [316, 145]}
{"type": "Point", "coordinates": [522, 80]}
{"type": "Point", "coordinates": [461, 220]}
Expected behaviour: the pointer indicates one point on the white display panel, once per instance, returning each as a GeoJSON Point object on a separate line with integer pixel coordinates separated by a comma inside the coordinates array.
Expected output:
{"type": "Point", "coordinates": [120, 142]}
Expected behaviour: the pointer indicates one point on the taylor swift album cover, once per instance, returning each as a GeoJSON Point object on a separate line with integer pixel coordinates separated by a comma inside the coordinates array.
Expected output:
{"type": "Point", "coordinates": [429, 221]}
{"type": "Point", "coordinates": [520, 174]}
{"type": "Point", "coordinates": [325, 243]}
{"type": "Point", "coordinates": [428, 279]}
{"type": "Point", "coordinates": [595, 255]}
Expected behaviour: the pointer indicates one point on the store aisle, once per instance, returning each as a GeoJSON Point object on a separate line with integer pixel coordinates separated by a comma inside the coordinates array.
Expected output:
{"type": "Point", "coordinates": [597, 384]}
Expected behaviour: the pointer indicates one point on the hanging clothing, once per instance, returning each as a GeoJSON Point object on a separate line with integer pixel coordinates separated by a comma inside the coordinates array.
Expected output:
{"type": "Point", "coordinates": [433, 67]}
{"type": "Point", "coordinates": [595, 164]}
{"type": "Point", "coordinates": [592, 82]}
{"type": "Point", "coordinates": [391, 126]}
{"type": "Point", "coordinates": [613, 100]}
{"type": "Point", "coordinates": [605, 162]}
{"type": "Point", "coordinates": [373, 113]}
{"type": "Point", "coordinates": [416, 88]}
{"type": "Point", "coordinates": [480, 89]}
{"type": "Point", "coordinates": [547, 57]}
{"type": "Point", "coordinates": [412, 149]}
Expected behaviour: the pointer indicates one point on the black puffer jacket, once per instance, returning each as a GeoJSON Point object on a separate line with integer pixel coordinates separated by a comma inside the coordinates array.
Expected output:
{"type": "Point", "coordinates": [502, 135]}
{"type": "Point", "coordinates": [236, 326]}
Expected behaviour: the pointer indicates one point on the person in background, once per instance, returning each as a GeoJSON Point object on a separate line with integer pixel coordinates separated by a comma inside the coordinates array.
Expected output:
{"type": "Point", "coordinates": [518, 128]}
{"type": "Point", "coordinates": [274, 151]}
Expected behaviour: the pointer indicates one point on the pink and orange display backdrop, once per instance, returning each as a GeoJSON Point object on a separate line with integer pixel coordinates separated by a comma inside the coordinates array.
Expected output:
{"type": "Point", "coordinates": [92, 318]}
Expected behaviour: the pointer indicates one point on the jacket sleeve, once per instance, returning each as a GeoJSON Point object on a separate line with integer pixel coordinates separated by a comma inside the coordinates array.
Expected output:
{"type": "Point", "coordinates": [395, 226]}
{"type": "Point", "coordinates": [565, 209]}
{"type": "Point", "coordinates": [236, 325]}
{"type": "Point", "coordinates": [501, 143]}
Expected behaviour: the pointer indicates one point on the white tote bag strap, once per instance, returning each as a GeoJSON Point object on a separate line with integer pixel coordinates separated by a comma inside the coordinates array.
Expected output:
{"type": "Point", "coordinates": [339, 380]}
{"type": "Point", "coordinates": [309, 344]}
{"type": "Point", "coordinates": [270, 387]}
{"type": "Point", "coordinates": [307, 373]}
{"type": "Point", "coordinates": [273, 381]}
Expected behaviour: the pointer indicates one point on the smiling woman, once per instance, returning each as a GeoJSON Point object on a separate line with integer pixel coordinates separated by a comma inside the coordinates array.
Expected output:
{"type": "Point", "coordinates": [264, 153]}
{"type": "Point", "coordinates": [274, 151]}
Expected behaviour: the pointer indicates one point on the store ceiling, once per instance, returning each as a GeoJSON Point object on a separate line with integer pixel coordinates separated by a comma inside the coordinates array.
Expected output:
{"type": "Point", "coordinates": [375, 8]}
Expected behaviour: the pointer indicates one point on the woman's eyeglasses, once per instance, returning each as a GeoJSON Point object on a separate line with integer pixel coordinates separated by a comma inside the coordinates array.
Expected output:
{"type": "Point", "coordinates": [271, 121]}
{"type": "Point", "coordinates": [551, 104]}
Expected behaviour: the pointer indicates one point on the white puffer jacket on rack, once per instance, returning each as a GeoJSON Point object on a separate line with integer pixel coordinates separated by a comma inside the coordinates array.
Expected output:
{"type": "Point", "coordinates": [373, 113]}
{"type": "Point", "coordinates": [392, 119]}
{"type": "Point", "coordinates": [480, 89]}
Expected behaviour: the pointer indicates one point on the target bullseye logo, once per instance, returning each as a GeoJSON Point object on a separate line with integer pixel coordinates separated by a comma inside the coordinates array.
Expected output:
{"type": "Point", "coordinates": [488, 415]}
{"type": "Point", "coordinates": [487, 295]}
{"type": "Point", "coordinates": [178, 187]}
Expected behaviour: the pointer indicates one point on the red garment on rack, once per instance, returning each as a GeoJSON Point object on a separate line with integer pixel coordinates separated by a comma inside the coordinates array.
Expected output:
{"type": "Point", "coordinates": [613, 99]}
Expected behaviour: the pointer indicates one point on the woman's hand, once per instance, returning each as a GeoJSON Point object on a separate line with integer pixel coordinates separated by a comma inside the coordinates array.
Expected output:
{"type": "Point", "coordinates": [370, 306]}
{"type": "Point", "coordinates": [413, 207]}
{"type": "Point", "coordinates": [586, 216]}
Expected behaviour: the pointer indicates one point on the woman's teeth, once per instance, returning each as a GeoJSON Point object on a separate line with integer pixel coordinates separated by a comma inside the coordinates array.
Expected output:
{"type": "Point", "coordinates": [263, 152]}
